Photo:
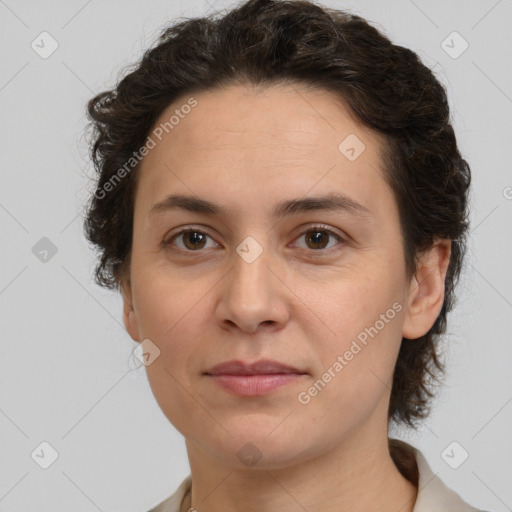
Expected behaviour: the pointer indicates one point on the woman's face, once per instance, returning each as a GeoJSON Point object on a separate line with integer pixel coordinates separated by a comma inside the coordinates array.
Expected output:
{"type": "Point", "coordinates": [330, 300]}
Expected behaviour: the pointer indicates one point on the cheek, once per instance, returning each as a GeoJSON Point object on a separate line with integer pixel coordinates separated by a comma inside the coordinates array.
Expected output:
{"type": "Point", "coordinates": [166, 303]}
{"type": "Point", "coordinates": [168, 311]}
{"type": "Point", "coordinates": [348, 302]}
{"type": "Point", "coordinates": [358, 333]}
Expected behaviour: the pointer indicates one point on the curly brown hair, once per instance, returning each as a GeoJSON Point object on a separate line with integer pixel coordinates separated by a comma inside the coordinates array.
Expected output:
{"type": "Point", "coordinates": [264, 42]}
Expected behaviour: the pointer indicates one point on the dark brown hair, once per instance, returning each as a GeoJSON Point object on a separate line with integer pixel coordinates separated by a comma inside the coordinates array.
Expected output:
{"type": "Point", "coordinates": [264, 42]}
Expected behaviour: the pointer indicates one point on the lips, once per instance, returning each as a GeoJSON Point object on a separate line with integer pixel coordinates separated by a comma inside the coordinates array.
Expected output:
{"type": "Point", "coordinates": [254, 379]}
{"type": "Point", "coordinates": [262, 367]}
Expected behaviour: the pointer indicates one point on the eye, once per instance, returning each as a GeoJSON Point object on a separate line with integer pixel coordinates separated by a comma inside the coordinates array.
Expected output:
{"type": "Point", "coordinates": [318, 237]}
{"type": "Point", "coordinates": [193, 239]}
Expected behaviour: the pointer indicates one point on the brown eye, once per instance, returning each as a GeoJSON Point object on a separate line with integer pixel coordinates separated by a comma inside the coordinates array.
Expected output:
{"type": "Point", "coordinates": [318, 238]}
{"type": "Point", "coordinates": [192, 240]}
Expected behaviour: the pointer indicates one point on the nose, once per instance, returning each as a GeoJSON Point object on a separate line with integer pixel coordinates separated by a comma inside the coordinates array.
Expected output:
{"type": "Point", "coordinates": [253, 294]}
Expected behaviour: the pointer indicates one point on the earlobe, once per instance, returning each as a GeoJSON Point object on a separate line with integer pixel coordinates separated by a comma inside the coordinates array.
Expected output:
{"type": "Point", "coordinates": [129, 316]}
{"type": "Point", "coordinates": [426, 291]}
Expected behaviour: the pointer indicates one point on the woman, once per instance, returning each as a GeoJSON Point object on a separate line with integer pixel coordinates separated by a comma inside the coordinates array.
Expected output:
{"type": "Point", "coordinates": [282, 204]}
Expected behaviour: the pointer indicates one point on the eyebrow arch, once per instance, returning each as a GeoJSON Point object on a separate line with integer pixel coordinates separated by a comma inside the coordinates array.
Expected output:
{"type": "Point", "coordinates": [330, 202]}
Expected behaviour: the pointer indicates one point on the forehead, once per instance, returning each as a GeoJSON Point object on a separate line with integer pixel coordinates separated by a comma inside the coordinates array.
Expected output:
{"type": "Point", "coordinates": [294, 114]}
{"type": "Point", "coordinates": [279, 141]}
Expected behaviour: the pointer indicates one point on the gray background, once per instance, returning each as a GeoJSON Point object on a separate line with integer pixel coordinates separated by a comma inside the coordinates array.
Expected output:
{"type": "Point", "coordinates": [66, 373]}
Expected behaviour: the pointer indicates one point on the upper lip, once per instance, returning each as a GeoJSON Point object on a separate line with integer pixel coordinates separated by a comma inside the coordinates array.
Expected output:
{"type": "Point", "coordinates": [262, 367]}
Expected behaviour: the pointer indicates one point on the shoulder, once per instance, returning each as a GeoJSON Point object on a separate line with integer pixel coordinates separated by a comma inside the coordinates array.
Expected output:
{"type": "Point", "coordinates": [433, 494]}
{"type": "Point", "coordinates": [173, 503]}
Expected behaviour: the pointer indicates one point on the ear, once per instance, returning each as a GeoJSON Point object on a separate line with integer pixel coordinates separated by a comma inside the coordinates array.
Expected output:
{"type": "Point", "coordinates": [426, 290]}
{"type": "Point", "coordinates": [129, 316]}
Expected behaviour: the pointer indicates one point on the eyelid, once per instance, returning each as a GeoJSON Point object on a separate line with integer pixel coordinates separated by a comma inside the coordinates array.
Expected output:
{"type": "Point", "coordinates": [168, 239]}
{"type": "Point", "coordinates": [320, 227]}
{"type": "Point", "coordinates": [167, 242]}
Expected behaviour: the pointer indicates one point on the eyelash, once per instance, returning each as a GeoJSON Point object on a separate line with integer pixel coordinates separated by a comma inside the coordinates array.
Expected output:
{"type": "Point", "coordinates": [317, 227]}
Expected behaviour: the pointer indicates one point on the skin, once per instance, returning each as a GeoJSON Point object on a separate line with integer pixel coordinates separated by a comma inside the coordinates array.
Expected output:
{"type": "Point", "coordinates": [247, 149]}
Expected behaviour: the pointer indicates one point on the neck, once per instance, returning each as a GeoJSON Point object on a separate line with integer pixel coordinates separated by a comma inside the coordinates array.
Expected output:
{"type": "Point", "coordinates": [353, 477]}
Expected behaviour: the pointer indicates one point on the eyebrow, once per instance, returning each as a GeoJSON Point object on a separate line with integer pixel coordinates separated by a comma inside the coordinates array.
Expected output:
{"type": "Point", "coordinates": [331, 202]}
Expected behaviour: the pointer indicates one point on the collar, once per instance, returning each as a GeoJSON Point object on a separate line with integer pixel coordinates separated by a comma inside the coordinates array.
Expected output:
{"type": "Point", "coordinates": [433, 494]}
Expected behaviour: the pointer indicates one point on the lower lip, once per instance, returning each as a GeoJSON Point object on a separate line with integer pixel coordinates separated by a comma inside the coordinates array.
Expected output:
{"type": "Point", "coordinates": [255, 385]}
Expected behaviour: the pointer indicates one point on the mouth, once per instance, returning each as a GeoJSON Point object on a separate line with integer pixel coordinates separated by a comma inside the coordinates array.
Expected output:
{"type": "Point", "coordinates": [254, 379]}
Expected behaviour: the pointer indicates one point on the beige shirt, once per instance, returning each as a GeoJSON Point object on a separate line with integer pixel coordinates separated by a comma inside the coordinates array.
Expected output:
{"type": "Point", "coordinates": [433, 495]}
